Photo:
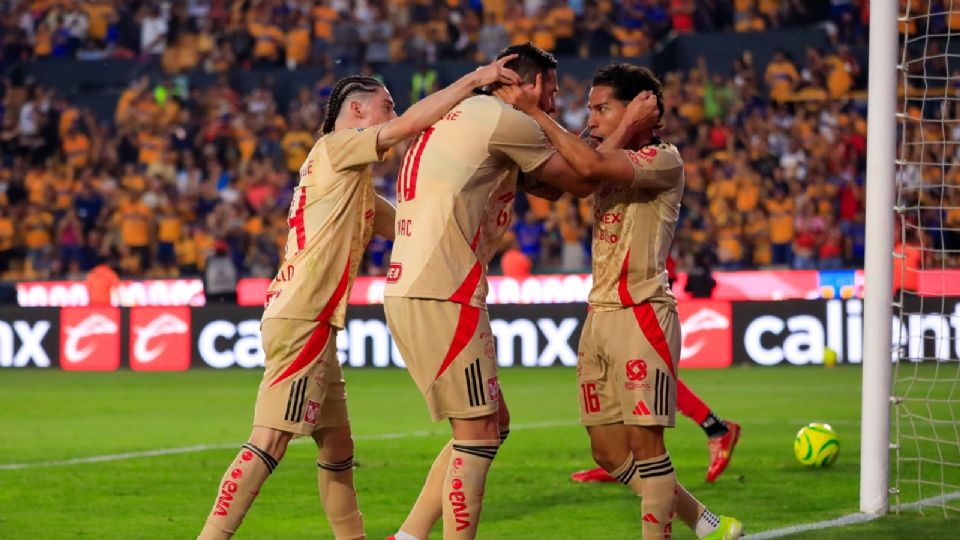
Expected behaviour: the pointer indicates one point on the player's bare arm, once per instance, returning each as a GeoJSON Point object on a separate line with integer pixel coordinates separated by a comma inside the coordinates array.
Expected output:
{"type": "Point", "coordinates": [533, 186]}
{"type": "Point", "coordinates": [606, 163]}
{"type": "Point", "coordinates": [431, 109]}
{"type": "Point", "coordinates": [383, 218]}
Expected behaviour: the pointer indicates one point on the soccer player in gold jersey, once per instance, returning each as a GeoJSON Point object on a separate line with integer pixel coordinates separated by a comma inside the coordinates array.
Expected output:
{"type": "Point", "coordinates": [332, 215]}
{"type": "Point", "coordinates": [454, 201]}
{"type": "Point", "coordinates": [627, 369]}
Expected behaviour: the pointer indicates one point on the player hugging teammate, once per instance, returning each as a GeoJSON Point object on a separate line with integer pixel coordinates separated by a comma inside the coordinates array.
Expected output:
{"type": "Point", "coordinates": [455, 198]}
{"type": "Point", "coordinates": [630, 344]}
{"type": "Point", "coordinates": [332, 216]}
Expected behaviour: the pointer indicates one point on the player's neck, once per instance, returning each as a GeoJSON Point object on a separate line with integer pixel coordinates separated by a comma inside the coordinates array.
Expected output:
{"type": "Point", "coordinates": [347, 123]}
{"type": "Point", "coordinates": [642, 139]}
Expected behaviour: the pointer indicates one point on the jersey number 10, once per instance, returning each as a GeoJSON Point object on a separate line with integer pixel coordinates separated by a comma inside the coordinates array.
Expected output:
{"type": "Point", "coordinates": [410, 168]}
{"type": "Point", "coordinates": [295, 216]}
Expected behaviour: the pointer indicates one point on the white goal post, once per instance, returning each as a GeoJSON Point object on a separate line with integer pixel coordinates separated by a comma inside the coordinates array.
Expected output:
{"type": "Point", "coordinates": [878, 270]}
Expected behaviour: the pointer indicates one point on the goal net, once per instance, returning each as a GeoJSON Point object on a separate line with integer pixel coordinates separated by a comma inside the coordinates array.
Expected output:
{"type": "Point", "coordinates": [926, 328]}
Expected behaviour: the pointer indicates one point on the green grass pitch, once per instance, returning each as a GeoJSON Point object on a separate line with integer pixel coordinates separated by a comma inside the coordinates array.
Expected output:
{"type": "Point", "coordinates": [48, 416]}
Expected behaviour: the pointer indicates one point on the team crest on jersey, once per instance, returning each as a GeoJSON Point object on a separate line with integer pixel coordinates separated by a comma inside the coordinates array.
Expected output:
{"type": "Point", "coordinates": [493, 385]}
{"type": "Point", "coordinates": [311, 414]}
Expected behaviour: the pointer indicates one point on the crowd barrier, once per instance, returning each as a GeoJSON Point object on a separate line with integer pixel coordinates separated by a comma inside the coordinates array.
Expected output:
{"type": "Point", "coordinates": [535, 289]}
{"type": "Point", "coordinates": [716, 334]}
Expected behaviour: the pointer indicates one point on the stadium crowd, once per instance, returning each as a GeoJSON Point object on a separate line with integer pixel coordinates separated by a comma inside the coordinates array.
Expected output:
{"type": "Point", "coordinates": [217, 35]}
{"type": "Point", "coordinates": [773, 153]}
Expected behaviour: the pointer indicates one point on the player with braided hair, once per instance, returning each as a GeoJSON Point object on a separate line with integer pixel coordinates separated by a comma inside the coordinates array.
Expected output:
{"type": "Point", "coordinates": [333, 214]}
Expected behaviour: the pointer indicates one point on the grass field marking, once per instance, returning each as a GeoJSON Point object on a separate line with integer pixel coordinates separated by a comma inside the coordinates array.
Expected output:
{"type": "Point", "coordinates": [371, 437]}
{"type": "Point", "coordinates": [206, 447]}
{"type": "Point", "coordinates": [849, 519]}
{"type": "Point", "coordinates": [939, 499]}
{"type": "Point", "coordinates": [116, 457]}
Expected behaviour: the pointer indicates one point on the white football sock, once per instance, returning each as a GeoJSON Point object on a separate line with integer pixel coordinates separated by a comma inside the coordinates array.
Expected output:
{"type": "Point", "coordinates": [707, 523]}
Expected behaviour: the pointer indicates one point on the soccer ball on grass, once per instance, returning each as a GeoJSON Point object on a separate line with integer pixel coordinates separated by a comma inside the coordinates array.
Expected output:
{"type": "Point", "coordinates": [816, 445]}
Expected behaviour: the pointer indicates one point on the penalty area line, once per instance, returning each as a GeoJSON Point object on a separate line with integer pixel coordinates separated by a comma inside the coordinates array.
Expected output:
{"type": "Point", "coordinates": [849, 519]}
{"type": "Point", "coordinates": [207, 447]}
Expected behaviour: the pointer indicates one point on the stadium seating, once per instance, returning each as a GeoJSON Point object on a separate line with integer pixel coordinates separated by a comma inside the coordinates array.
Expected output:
{"type": "Point", "coordinates": [150, 136]}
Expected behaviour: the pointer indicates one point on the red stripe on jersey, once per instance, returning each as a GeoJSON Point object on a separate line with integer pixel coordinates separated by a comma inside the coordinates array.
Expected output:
{"type": "Point", "coordinates": [405, 170]}
{"type": "Point", "coordinates": [466, 326]}
{"type": "Point", "coordinates": [297, 220]}
{"type": "Point", "coordinates": [624, 289]}
{"type": "Point", "coordinates": [469, 285]}
{"type": "Point", "coordinates": [410, 186]}
{"type": "Point", "coordinates": [338, 293]}
{"type": "Point", "coordinates": [310, 352]}
{"type": "Point", "coordinates": [476, 240]}
{"type": "Point", "coordinates": [650, 326]}
{"type": "Point", "coordinates": [464, 293]}
{"type": "Point", "coordinates": [318, 339]}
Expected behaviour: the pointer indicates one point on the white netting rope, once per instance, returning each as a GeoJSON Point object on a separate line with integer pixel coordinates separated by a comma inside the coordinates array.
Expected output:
{"type": "Point", "coordinates": [926, 380]}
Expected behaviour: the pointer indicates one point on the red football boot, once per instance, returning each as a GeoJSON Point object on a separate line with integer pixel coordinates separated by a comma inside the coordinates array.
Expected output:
{"type": "Point", "coordinates": [721, 450]}
{"type": "Point", "coordinates": [592, 475]}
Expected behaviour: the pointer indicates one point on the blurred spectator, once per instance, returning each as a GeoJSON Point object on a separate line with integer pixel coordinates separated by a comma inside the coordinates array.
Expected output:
{"type": "Point", "coordinates": [781, 76]}
{"type": "Point", "coordinates": [220, 283]}
{"type": "Point", "coordinates": [780, 210]}
{"type": "Point", "coordinates": [153, 32]}
{"type": "Point", "coordinates": [808, 228]}
{"type": "Point", "coordinates": [700, 280]}
{"type": "Point", "coordinates": [493, 38]}
{"type": "Point", "coordinates": [7, 233]}
{"type": "Point", "coordinates": [102, 282]}
{"type": "Point", "coordinates": [529, 233]}
{"type": "Point", "coordinates": [515, 263]}
{"type": "Point", "coordinates": [423, 82]}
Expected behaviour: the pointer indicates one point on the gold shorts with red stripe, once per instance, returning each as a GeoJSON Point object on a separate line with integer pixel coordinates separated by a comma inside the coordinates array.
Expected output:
{"type": "Point", "coordinates": [449, 352]}
{"type": "Point", "coordinates": [302, 388]}
{"type": "Point", "coordinates": [626, 368]}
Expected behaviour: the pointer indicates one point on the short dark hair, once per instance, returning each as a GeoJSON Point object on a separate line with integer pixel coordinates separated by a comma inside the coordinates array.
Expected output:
{"type": "Point", "coordinates": [343, 89]}
{"type": "Point", "coordinates": [628, 80]}
{"type": "Point", "coordinates": [530, 62]}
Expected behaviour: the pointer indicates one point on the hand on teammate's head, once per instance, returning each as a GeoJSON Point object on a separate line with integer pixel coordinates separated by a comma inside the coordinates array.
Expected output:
{"type": "Point", "coordinates": [497, 73]}
{"type": "Point", "coordinates": [524, 97]}
{"type": "Point", "coordinates": [642, 111]}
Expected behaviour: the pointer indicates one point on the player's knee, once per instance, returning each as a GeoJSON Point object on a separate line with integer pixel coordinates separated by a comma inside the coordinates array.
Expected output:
{"type": "Point", "coordinates": [483, 428]}
{"type": "Point", "coordinates": [335, 444]}
{"type": "Point", "coordinates": [647, 442]}
{"type": "Point", "coordinates": [271, 441]}
{"type": "Point", "coordinates": [607, 457]}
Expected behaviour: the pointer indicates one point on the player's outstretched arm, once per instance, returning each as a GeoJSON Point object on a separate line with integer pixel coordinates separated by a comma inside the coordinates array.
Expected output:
{"type": "Point", "coordinates": [383, 218]}
{"type": "Point", "coordinates": [603, 164]}
{"type": "Point", "coordinates": [528, 184]}
{"type": "Point", "coordinates": [431, 109]}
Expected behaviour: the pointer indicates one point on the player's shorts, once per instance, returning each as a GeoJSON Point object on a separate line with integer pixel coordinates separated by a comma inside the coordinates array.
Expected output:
{"type": "Point", "coordinates": [303, 387]}
{"type": "Point", "coordinates": [627, 368]}
{"type": "Point", "coordinates": [448, 349]}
